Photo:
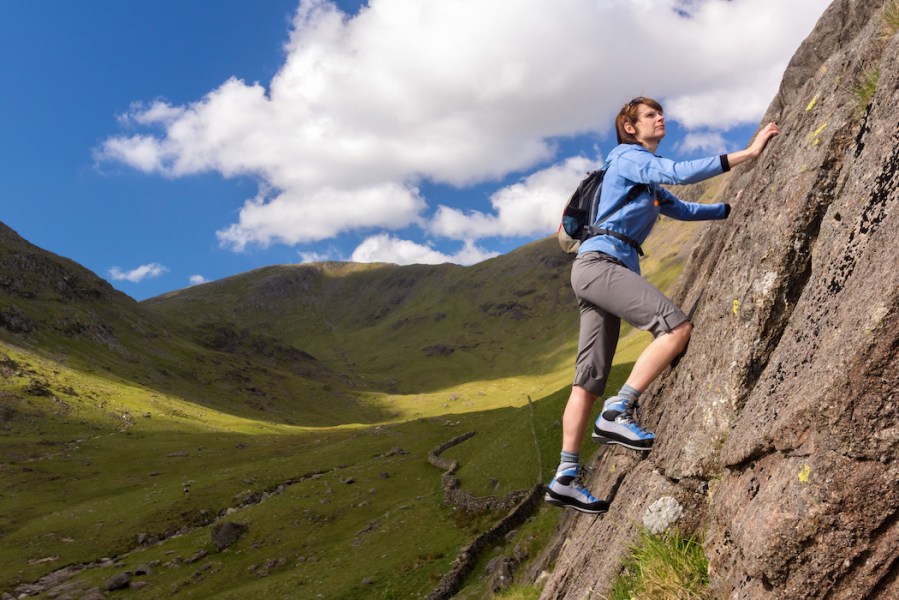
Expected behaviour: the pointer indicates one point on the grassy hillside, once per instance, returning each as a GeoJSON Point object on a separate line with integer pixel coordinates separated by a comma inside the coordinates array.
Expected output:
{"type": "Point", "coordinates": [109, 476]}
{"type": "Point", "coordinates": [397, 329]}
{"type": "Point", "coordinates": [55, 307]}
{"type": "Point", "coordinates": [418, 340]}
{"type": "Point", "coordinates": [299, 400]}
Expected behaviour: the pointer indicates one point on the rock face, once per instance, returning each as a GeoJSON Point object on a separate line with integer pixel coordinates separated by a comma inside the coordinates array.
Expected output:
{"type": "Point", "coordinates": [778, 431]}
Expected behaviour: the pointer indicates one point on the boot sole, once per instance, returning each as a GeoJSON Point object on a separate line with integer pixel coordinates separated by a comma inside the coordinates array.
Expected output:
{"type": "Point", "coordinates": [561, 504]}
{"type": "Point", "coordinates": [633, 445]}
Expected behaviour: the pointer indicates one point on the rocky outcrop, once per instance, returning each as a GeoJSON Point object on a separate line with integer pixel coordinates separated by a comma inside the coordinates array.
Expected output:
{"type": "Point", "coordinates": [778, 430]}
{"type": "Point", "coordinates": [226, 534]}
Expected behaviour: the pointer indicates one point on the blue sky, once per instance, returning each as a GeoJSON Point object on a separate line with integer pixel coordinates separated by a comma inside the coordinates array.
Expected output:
{"type": "Point", "coordinates": [166, 143]}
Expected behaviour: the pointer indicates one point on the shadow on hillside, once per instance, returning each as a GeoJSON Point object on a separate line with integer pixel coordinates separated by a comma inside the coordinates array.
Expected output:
{"type": "Point", "coordinates": [400, 329]}
{"type": "Point", "coordinates": [397, 329]}
{"type": "Point", "coordinates": [133, 483]}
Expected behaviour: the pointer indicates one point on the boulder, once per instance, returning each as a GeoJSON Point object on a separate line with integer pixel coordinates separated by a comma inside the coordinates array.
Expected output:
{"type": "Point", "coordinates": [117, 582]}
{"type": "Point", "coordinates": [226, 534]}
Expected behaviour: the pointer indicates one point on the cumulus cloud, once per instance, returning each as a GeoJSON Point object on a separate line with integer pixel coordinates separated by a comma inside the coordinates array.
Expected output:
{"type": "Point", "coordinates": [314, 257]}
{"type": "Point", "coordinates": [705, 142]}
{"type": "Point", "coordinates": [390, 249]}
{"type": "Point", "coordinates": [138, 274]}
{"type": "Point", "coordinates": [157, 113]}
{"type": "Point", "coordinates": [456, 92]}
{"type": "Point", "coordinates": [532, 206]}
{"type": "Point", "coordinates": [197, 280]}
{"type": "Point", "coordinates": [293, 216]}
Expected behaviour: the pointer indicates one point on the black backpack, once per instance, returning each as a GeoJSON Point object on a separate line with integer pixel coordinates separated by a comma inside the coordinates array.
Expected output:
{"type": "Point", "coordinates": [579, 215]}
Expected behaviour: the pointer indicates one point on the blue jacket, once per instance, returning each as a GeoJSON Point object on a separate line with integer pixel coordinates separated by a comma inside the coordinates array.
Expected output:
{"type": "Point", "coordinates": [632, 164]}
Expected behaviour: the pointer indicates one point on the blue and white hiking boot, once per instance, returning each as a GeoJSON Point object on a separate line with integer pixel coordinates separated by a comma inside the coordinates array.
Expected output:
{"type": "Point", "coordinates": [617, 425]}
{"type": "Point", "coordinates": [567, 490]}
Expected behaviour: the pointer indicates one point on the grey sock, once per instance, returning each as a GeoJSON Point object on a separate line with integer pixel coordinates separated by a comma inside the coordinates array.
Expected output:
{"type": "Point", "coordinates": [570, 457]}
{"type": "Point", "coordinates": [568, 460]}
{"type": "Point", "coordinates": [629, 392]}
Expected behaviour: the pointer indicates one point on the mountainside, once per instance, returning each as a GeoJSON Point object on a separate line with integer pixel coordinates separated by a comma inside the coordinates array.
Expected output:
{"type": "Point", "coordinates": [778, 430]}
{"type": "Point", "coordinates": [396, 329]}
{"type": "Point", "coordinates": [300, 403]}
{"type": "Point", "coordinates": [403, 335]}
{"type": "Point", "coordinates": [52, 304]}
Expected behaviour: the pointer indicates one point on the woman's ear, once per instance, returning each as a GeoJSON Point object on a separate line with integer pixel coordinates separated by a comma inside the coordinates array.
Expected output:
{"type": "Point", "coordinates": [629, 128]}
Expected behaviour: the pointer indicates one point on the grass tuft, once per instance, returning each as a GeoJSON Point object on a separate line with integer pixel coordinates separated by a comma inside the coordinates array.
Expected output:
{"type": "Point", "coordinates": [664, 567]}
{"type": "Point", "coordinates": [865, 90]}
{"type": "Point", "coordinates": [890, 19]}
{"type": "Point", "coordinates": [518, 592]}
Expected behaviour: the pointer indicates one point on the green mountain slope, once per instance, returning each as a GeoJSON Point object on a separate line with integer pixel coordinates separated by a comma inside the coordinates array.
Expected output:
{"type": "Point", "coordinates": [56, 307]}
{"type": "Point", "coordinates": [420, 339]}
{"type": "Point", "coordinates": [299, 400]}
{"type": "Point", "coordinates": [399, 329]}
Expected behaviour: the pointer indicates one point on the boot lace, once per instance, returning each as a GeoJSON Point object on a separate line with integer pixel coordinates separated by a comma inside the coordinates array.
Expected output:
{"type": "Point", "coordinates": [631, 411]}
{"type": "Point", "coordinates": [578, 482]}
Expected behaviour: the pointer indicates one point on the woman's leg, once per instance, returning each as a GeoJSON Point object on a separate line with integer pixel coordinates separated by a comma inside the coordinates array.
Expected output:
{"type": "Point", "coordinates": [567, 488]}
{"type": "Point", "coordinates": [596, 346]}
{"type": "Point", "coordinates": [627, 295]}
{"type": "Point", "coordinates": [658, 355]}
{"type": "Point", "coordinates": [575, 418]}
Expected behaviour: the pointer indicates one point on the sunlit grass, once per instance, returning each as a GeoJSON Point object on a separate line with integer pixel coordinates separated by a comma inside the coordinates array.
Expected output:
{"type": "Point", "coordinates": [97, 448]}
{"type": "Point", "coordinates": [519, 592]}
{"type": "Point", "coordinates": [666, 566]}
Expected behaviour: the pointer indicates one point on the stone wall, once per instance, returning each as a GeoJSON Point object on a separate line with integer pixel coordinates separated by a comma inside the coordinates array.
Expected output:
{"type": "Point", "coordinates": [454, 496]}
{"type": "Point", "coordinates": [521, 504]}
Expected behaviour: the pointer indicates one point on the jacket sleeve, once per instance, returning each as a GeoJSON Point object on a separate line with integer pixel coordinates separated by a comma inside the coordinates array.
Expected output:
{"type": "Point", "coordinates": [645, 167]}
{"type": "Point", "coordinates": [672, 206]}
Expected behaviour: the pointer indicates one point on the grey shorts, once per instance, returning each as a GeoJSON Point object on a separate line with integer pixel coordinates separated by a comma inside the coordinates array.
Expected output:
{"type": "Point", "coordinates": [607, 292]}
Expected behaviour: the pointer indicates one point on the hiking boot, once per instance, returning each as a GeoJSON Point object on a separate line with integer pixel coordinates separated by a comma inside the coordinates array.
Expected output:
{"type": "Point", "coordinates": [567, 490]}
{"type": "Point", "coordinates": [617, 425]}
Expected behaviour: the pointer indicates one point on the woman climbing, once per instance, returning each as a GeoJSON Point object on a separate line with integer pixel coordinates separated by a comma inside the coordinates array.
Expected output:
{"type": "Point", "coordinates": [608, 286]}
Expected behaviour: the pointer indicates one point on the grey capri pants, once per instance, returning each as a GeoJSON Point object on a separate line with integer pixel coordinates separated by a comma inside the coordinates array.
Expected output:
{"type": "Point", "coordinates": [607, 292]}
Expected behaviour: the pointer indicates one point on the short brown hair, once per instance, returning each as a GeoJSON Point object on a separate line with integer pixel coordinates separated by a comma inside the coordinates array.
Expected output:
{"type": "Point", "coordinates": [628, 114]}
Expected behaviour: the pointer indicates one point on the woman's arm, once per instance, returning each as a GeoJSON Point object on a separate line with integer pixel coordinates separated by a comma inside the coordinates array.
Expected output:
{"type": "Point", "coordinates": [672, 206]}
{"type": "Point", "coordinates": [639, 165]}
{"type": "Point", "coordinates": [754, 149]}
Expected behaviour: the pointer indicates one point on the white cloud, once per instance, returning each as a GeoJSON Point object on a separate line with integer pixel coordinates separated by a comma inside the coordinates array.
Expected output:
{"type": "Point", "coordinates": [139, 151]}
{"type": "Point", "coordinates": [533, 206]}
{"type": "Point", "coordinates": [704, 142]}
{"type": "Point", "coordinates": [313, 257]}
{"type": "Point", "coordinates": [723, 107]}
{"type": "Point", "coordinates": [137, 275]}
{"type": "Point", "coordinates": [292, 216]}
{"type": "Point", "coordinates": [389, 249]}
{"type": "Point", "coordinates": [197, 279]}
{"type": "Point", "coordinates": [455, 91]}
{"type": "Point", "coordinates": [157, 113]}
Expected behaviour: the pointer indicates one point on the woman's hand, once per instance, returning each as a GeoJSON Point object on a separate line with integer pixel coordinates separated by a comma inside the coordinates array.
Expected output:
{"type": "Point", "coordinates": [754, 149]}
{"type": "Point", "coordinates": [761, 139]}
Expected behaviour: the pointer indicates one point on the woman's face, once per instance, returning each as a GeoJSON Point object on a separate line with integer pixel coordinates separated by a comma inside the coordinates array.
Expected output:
{"type": "Point", "coordinates": [649, 127]}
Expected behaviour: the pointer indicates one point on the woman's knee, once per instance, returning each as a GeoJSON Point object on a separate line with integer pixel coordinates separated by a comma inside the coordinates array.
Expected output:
{"type": "Point", "coordinates": [581, 394]}
{"type": "Point", "coordinates": [682, 333]}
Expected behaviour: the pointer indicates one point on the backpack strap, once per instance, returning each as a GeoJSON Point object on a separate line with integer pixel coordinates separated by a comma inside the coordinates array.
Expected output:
{"type": "Point", "coordinates": [630, 196]}
{"type": "Point", "coordinates": [624, 238]}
